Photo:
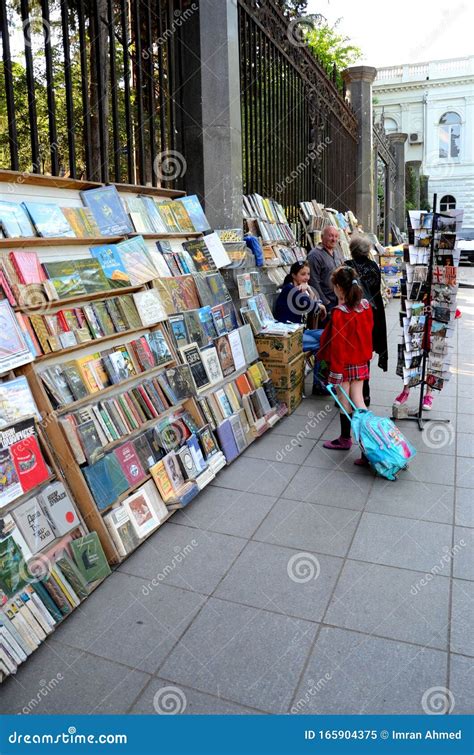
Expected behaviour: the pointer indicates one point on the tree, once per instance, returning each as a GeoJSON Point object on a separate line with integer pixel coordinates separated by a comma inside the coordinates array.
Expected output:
{"type": "Point", "coordinates": [330, 47]}
{"type": "Point", "coordinates": [293, 8]}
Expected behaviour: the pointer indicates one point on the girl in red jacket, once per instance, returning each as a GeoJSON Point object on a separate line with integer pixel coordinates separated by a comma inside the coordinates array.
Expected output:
{"type": "Point", "coordinates": [346, 344]}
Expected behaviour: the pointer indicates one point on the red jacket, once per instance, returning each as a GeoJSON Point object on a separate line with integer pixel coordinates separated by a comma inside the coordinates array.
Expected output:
{"type": "Point", "coordinates": [347, 339]}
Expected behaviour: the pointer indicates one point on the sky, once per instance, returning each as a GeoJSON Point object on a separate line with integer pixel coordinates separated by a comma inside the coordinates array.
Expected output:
{"type": "Point", "coordinates": [404, 31]}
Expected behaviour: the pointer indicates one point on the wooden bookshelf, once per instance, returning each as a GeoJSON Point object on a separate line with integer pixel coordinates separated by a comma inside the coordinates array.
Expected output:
{"type": "Point", "coordinates": [38, 179]}
{"type": "Point", "coordinates": [92, 342]}
{"type": "Point", "coordinates": [158, 191]}
{"type": "Point", "coordinates": [36, 241]}
{"type": "Point", "coordinates": [177, 235]}
{"type": "Point", "coordinates": [48, 307]}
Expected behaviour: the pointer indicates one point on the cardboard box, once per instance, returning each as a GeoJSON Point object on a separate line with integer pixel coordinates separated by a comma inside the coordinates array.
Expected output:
{"type": "Point", "coordinates": [286, 376]}
{"type": "Point", "coordinates": [280, 349]}
{"type": "Point", "coordinates": [292, 397]}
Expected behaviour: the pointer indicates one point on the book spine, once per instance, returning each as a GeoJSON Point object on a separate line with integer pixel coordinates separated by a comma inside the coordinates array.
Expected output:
{"type": "Point", "coordinates": [64, 586]}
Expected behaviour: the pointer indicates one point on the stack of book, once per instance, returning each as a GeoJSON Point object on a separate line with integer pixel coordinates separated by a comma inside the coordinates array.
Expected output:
{"type": "Point", "coordinates": [258, 315]}
{"type": "Point", "coordinates": [266, 218]}
{"type": "Point", "coordinates": [78, 378]}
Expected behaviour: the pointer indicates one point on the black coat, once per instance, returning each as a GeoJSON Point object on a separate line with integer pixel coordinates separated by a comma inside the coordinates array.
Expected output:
{"type": "Point", "coordinates": [368, 273]}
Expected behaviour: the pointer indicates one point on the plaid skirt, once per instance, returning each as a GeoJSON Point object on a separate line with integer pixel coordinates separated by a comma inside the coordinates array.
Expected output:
{"type": "Point", "coordinates": [349, 373]}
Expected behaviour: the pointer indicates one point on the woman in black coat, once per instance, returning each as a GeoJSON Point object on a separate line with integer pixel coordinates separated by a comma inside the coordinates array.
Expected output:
{"type": "Point", "coordinates": [368, 273]}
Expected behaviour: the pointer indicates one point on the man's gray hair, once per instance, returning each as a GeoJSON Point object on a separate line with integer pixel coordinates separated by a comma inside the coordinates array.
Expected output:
{"type": "Point", "coordinates": [360, 246]}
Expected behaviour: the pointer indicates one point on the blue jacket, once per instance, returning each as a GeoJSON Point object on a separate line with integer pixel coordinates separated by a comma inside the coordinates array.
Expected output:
{"type": "Point", "coordinates": [293, 305]}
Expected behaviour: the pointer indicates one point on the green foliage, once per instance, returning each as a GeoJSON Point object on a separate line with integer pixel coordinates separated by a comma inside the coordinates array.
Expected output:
{"type": "Point", "coordinates": [293, 8]}
{"type": "Point", "coordinates": [330, 47]}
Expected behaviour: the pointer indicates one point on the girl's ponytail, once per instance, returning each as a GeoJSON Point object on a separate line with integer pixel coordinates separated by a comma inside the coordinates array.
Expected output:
{"type": "Point", "coordinates": [344, 277]}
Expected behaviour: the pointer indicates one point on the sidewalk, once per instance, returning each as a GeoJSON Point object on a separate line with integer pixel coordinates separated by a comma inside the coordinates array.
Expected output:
{"type": "Point", "coordinates": [296, 583]}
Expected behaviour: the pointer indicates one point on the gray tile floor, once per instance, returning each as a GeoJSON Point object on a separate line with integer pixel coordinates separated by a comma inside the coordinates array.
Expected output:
{"type": "Point", "coordinates": [297, 583]}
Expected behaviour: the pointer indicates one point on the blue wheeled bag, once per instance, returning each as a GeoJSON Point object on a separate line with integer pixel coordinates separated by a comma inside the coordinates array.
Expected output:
{"type": "Point", "coordinates": [380, 440]}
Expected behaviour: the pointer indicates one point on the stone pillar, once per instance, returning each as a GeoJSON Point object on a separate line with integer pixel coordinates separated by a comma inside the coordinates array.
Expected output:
{"type": "Point", "coordinates": [416, 165]}
{"type": "Point", "coordinates": [211, 118]}
{"type": "Point", "coordinates": [358, 80]}
{"type": "Point", "coordinates": [398, 144]}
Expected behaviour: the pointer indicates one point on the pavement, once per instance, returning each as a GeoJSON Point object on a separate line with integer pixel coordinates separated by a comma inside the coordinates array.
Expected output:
{"type": "Point", "coordinates": [295, 583]}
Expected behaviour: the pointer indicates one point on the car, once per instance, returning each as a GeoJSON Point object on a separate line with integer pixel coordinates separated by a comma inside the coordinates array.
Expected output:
{"type": "Point", "coordinates": [465, 241]}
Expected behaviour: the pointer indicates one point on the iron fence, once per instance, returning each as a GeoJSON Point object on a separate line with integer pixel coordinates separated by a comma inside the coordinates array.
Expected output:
{"type": "Point", "coordinates": [91, 88]}
{"type": "Point", "coordinates": [299, 135]}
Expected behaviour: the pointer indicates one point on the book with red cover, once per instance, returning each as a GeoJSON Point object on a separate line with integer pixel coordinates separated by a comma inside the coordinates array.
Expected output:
{"type": "Point", "coordinates": [130, 463]}
{"type": "Point", "coordinates": [27, 267]}
{"type": "Point", "coordinates": [5, 286]}
{"type": "Point", "coordinates": [29, 462]}
{"type": "Point", "coordinates": [143, 353]}
{"type": "Point", "coordinates": [242, 383]}
{"type": "Point", "coordinates": [147, 401]}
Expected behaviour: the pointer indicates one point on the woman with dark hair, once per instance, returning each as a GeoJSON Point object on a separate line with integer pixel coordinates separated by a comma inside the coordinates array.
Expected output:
{"type": "Point", "coordinates": [298, 302]}
{"type": "Point", "coordinates": [368, 273]}
{"type": "Point", "coordinates": [347, 345]}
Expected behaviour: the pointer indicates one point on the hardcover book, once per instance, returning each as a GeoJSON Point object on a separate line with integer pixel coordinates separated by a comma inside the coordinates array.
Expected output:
{"type": "Point", "coordinates": [165, 210]}
{"type": "Point", "coordinates": [212, 365]}
{"type": "Point", "coordinates": [200, 255]}
{"type": "Point", "coordinates": [227, 441]}
{"type": "Point", "coordinates": [142, 514]}
{"type": "Point", "coordinates": [155, 499]}
{"type": "Point", "coordinates": [130, 463]}
{"type": "Point", "coordinates": [15, 221]}
{"type": "Point", "coordinates": [162, 481]}
{"type": "Point", "coordinates": [195, 329]}
{"type": "Point", "coordinates": [178, 329]}
{"type": "Point", "coordinates": [177, 294]}
{"type": "Point", "coordinates": [71, 573]}
{"type": "Point", "coordinates": [90, 558]}
{"type": "Point", "coordinates": [190, 471]}
{"type": "Point", "coordinates": [48, 219]}
{"type": "Point", "coordinates": [173, 470]}
{"type": "Point", "coordinates": [159, 347]}
{"type": "Point", "coordinates": [192, 356]}
{"type": "Point", "coordinates": [59, 508]}
{"type": "Point", "coordinates": [236, 349]}
{"type": "Point", "coordinates": [207, 323]}
{"type": "Point", "coordinates": [65, 279]}
{"type": "Point", "coordinates": [27, 266]}
{"type": "Point", "coordinates": [149, 306]}
{"type": "Point", "coordinates": [92, 275]}
{"type": "Point", "coordinates": [128, 309]}
{"type": "Point", "coordinates": [195, 212]}
{"type": "Point", "coordinates": [137, 261]}
{"type": "Point", "coordinates": [224, 352]}
{"type": "Point", "coordinates": [26, 455]}
{"type": "Point", "coordinates": [182, 217]}
{"type": "Point", "coordinates": [121, 530]}
{"type": "Point", "coordinates": [181, 381]}
{"type": "Point", "coordinates": [34, 525]}
{"type": "Point", "coordinates": [208, 443]}
{"type": "Point", "coordinates": [108, 210]}
{"type": "Point", "coordinates": [90, 441]}
{"type": "Point", "coordinates": [13, 569]}
{"type": "Point", "coordinates": [13, 349]}
{"type": "Point", "coordinates": [106, 481]}
{"type": "Point", "coordinates": [74, 380]}
{"type": "Point", "coordinates": [114, 270]}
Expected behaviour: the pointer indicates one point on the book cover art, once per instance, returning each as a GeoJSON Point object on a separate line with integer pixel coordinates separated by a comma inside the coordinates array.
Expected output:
{"type": "Point", "coordinates": [167, 216]}
{"type": "Point", "coordinates": [108, 210]}
{"type": "Point", "coordinates": [128, 310]}
{"type": "Point", "coordinates": [106, 481]}
{"type": "Point", "coordinates": [65, 279]}
{"type": "Point", "coordinates": [177, 294]}
{"type": "Point", "coordinates": [142, 514]}
{"type": "Point", "coordinates": [34, 525]}
{"type": "Point", "coordinates": [152, 213]}
{"type": "Point", "coordinates": [121, 530]}
{"type": "Point", "coordinates": [89, 557]}
{"type": "Point", "coordinates": [13, 349]}
{"type": "Point", "coordinates": [207, 323]}
{"type": "Point", "coordinates": [182, 217]}
{"type": "Point", "coordinates": [236, 347]}
{"type": "Point", "coordinates": [10, 487]}
{"type": "Point", "coordinates": [92, 275]}
{"type": "Point", "coordinates": [139, 216]}
{"type": "Point", "coordinates": [162, 481]}
{"type": "Point", "coordinates": [27, 266]}
{"type": "Point", "coordinates": [212, 365]}
{"type": "Point", "coordinates": [137, 260]}
{"type": "Point", "coordinates": [27, 457]}
{"type": "Point", "coordinates": [74, 380]}
{"type": "Point", "coordinates": [208, 443]}
{"type": "Point", "coordinates": [103, 317]}
{"type": "Point", "coordinates": [90, 441]}
{"type": "Point", "coordinates": [181, 381]}
{"type": "Point", "coordinates": [159, 347]}
{"type": "Point", "coordinates": [150, 307]}
{"type": "Point", "coordinates": [15, 221]}
{"type": "Point", "coordinates": [48, 220]}
{"type": "Point", "coordinates": [13, 569]}
{"type": "Point", "coordinates": [194, 328]}
{"type": "Point", "coordinates": [195, 212]}
{"type": "Point", "coordinates": [178, 329]}
{"type": "Point", "coordinates": [59, 508]}
{"type": "Point", "coordinates": [224, 352]}
{"type": "Point", "coordinates": [192, 356]}
{"type": "Point", "coordinates": [200, 255]}
{"type": "Point", "coordinates": [173, 470]}
{"type": "Point", "coordinates": [111, 263]}
{"type": "Point", "coordinates": [16, 401]}
{"type": "Point", "coordinates": [130, 463]}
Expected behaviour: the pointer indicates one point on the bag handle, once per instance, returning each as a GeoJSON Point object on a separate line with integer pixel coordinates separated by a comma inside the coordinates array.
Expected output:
{"type": "Point", "coordinates": [331, 388]}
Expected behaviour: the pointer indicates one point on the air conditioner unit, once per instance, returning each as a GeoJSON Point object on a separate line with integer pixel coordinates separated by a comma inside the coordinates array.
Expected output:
{"type": "Point", "coordinates": [415, 139]}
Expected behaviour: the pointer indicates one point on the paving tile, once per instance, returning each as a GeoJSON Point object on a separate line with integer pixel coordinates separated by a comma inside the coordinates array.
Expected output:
{"type": "Point", "coordinates": [415, 500]}
{"type": "Point", "coordinates": [465, 423]}
{"type": "Point", "coordinates": [255, 476]}
{"type": "Point", "coordinates": [352, 673]}
{"type": "Point", "coordinates": [463, 560]}
{"type": "Point", "coordinates": [465, 444]}
{"type": "Point", "coordinates": [311, 425]}
{"type": "Point", "coordinates": [435, 438]}
{"type": "Point", "coordinates": [282, 580]}
{"type": "Point", "coordinates": [430, 467]}
{"type": "Point", "coordinates": [396, 541]}
{"type": "Point", "coordinates": [308, 526]}
{"type": "Point", "coordinates": [274, 447]}
{"type": "Point", "coordinates": [246, 655]}
{"type": "Point", "coordinates": [461, 685]}
{"type": "Point", "coordinates": [231, 512]}
{"type": "Point", "coordinates": [465, 473]}
{"type": "Point", "coordinates": [75, 683]}
{"type": "Point", "coordinates": [185, 557]}
{"type": "Point", "coordinates": [465, 405]}
{"type": "Point", "coordinates": [332, 488]}
{"type": "Point", "coordinates": [391, 602]}
{"type": "Point", "coordinates": [165, 697]}
{"type": "Point", "coordinates": [139, 627]}
{"type": "Point", "coordinates": [320, 407]}
{"type": "Point", "coordinates": [462, 623]}
{"type": "Point", "coordinates": [464, 508]}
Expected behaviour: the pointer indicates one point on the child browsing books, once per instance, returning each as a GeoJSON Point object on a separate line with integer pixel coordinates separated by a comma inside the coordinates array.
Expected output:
{"type": "Point", "coordinates": [346, 344]}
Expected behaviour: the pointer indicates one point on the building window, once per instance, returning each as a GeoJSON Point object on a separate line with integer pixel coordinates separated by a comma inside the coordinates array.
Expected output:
{"type": "Point", "coordinates": [390, 125]}
{"type": "Point", "coordinates": [448, 202]}
{"type": "Point", "coordinates": [449, 134]}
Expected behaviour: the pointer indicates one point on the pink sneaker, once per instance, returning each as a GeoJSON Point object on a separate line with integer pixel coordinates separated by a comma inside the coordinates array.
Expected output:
{"type": "Point", "coordinates": [340, 444]}
{"type": "Point", "coordinates": [402, 398]}
{"type": "Point", "coordinates": [428, 403]}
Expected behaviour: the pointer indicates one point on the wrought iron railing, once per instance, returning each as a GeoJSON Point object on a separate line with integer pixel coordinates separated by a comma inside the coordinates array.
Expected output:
{"type": "Point", "coordinates": [299, 135]}
{"type": "Point", "coordinates": [90, 88]}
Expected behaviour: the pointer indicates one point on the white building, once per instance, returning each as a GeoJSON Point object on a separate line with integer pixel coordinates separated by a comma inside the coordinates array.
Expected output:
{"type": "Point", "coordinates": [434, 104]}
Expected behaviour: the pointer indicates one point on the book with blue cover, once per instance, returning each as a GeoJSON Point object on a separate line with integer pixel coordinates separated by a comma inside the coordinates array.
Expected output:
{"type": "Point", "coordinates": [193, 207]}
{"type": "Point", "coordinates": [108, 210]}
{"type": "Point", "coordinates": [227, 441]}
{"type": "Point", "coordinates": [137, 260]}
{"type": "Point", "coordinates": [106, 481]}
{"type": "Point", "coordinates": [48, 220]}
{"type": "Point", "coordinates": [111, 263]}
{"type": "Point", "coordinates": [15, 221]}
